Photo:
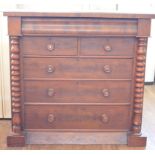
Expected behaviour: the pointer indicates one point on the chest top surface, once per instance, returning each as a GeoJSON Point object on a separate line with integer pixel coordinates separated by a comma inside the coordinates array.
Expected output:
{"type": "Point", "coordinates": [79, 14]}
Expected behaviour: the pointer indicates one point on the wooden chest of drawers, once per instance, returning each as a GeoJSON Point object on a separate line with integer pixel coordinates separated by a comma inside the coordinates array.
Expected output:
{"type": "Point", "coordinates": [77, 78]}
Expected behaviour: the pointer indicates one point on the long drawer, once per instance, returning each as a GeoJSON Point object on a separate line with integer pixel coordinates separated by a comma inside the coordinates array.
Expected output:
{"type": "Point", "coordinates": [78, 26]}
{"type": "Point", "coordinates": [77, 117]}
{"type": "Point", "coordinates": [78, 68]}
{"type": "Point", "coordinates": [77, 91]}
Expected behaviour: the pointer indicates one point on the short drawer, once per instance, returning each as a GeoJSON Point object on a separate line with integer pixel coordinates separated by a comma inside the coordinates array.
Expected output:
{"type": "Point", "coordinates": [107, 46]}
{"type": "Point", "coordinates": [77, 91]}
{"type": "Point", "coordinates": [77, 117]}
{"type": "Point", "coordinates": [49, 45]}
{"type": "Point", "coordinates": [77, 68]}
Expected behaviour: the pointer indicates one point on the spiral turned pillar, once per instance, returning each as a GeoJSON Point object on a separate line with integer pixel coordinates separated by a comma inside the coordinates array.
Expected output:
{"type": "Point", "coordinates": [139, 86]}
{"type": "Point", "coordinates": [15, 84]}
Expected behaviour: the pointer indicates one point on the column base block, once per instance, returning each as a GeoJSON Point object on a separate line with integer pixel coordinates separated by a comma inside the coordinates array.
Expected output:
{"type": "Point", "coordinates": [137, 141]}
{"type": "Point", "coordinates": [16, 140]}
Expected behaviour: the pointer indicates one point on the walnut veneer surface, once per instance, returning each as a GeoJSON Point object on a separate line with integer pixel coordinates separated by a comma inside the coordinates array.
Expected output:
{"type": "Point", "coordinates": [148, 128]}
{"type": "Point", "coordinates": [77, 78]}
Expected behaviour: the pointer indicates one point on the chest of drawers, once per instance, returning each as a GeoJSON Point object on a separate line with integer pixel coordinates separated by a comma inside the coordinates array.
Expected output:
{"type": "Point", "coordinates": [77, 78]}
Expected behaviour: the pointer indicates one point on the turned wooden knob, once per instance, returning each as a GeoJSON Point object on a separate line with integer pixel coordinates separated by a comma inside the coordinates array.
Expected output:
{"type": "Point", "coordinates": [104, 118]}
{"type": "Point", "coordinates": [107, 69]}
{"type": "Point", "coordinates": [107, 48]}
{"type": "Point", "coordinates": [50, 92]}
{"type": "Point", "coordinates": [50, 47]}
{"type": "Point", "coordinates": [105, 92]}
{"type": "Point", "coordinates": [50, 118]}
{"type": "Point", "coordinates": [50, 69]}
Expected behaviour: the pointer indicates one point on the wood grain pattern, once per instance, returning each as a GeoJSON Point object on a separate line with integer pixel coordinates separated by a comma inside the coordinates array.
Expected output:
{"type": "Point", "coordinates": [144, 27]}
{"type": "Point", "coordinates": [148, 121]}
{"type": "Point", "coordinates": [77, 117]}
{"type": "Point", "coordinates": [77, 91]}
{"type": "Point", "coordinates": [78, 26]}
{"type": "Point", "coordinates": [72, 138]}
{"type": "Point", "coordinates": [14, 26]}
{"type": "Point", "coordinates": [61, 45]}
{"type": "Point", "coordinates": [15, 84]}
{"type": "Point", "coordinates": [97, 46]}
{"type": "Point", "coordinates": [83, 68]}
{"type": "Point", "coordinates": [78, 97]}
{"type": "Point", "coordinates": [15, 140]}
{"type": "Point", "coordinates": [139, 86]}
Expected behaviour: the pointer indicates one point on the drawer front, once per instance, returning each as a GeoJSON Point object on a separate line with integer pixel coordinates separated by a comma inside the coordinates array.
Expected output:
{"type": "Point", "coordinates": [77, 91]}
{"type": "Point", "coordinates": [77, 68]}
{"type": "Point", "coordinates": [78, 26]}
{"type": "Point", "coordinates": [49, 45]}
{"type": "Point", "coordinates": [77, 117]}
{"type": "Point", "coordinates": [108, 46]}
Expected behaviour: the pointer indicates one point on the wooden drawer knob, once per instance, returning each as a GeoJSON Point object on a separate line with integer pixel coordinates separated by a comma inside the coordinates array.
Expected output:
{"type": "Point", "coordinates": [50, 118]}
{"type": "Point", "coordinates": [50, 92]}
{"type": "Point", "coordinates": [107, 48]}
{"type": "Point", "coordinates": [105, 92]}
{"type": "Point", "coordinates": [104, 118]}
{"type": "Point", "coordinates": [107, 69]}
{"type": "Point", "coordinates": [50, 47]}
{"type": "Point", "coordinates": [50, 69]}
